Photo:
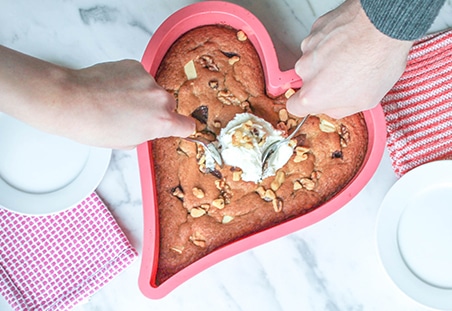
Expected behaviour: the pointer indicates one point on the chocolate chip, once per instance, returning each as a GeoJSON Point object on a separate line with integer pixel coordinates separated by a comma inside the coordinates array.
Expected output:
{"type": "Point", "coordinates": [178, 192]}
{"type": "Point", "coordinates": [337, 154]}
{"type": "Point", "coordinates": [301, 140]}
{"type": "Point", "coordinates": [213, 84]}
{"type": "Point", "coordinates": [229, 54]}
{"type": "Point", "coordinates": [217, 174]}
{"type": "Point", "coordinates": [201, 114]}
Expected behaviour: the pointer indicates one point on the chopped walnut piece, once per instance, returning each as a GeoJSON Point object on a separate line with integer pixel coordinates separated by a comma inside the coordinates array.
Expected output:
{"type": "Point", "coordinates": [260, 191]}
{"type": "Point", "coordinates": [202, 159]}
{"type": "Point", "coordinates": [278, 181]}
{"type": "Point", "coordinates": [301, 154]}
{"type": "Point", "coordinates": [301, 149]}
{"type": "Point", "coordinates": [234, 59]}
{"type": "Point", "coordinates": [237, 138]}
{"type": "Point", "coordinates": [241, 36]}
{"type": "Point", "coordinates": [207, 62]}
{"type": "Point", "coordinates": [178, 193]}
{"type": "Point", "coordinates": [307, 183]}
{"type": "Point", "coordinates": [198, 192]}
{"type": "Point", "coordinates": [227, 195]}
{"type": "Point", "coordinates": [248, 124]}
{"type": "Point", "coordinates": [246, 106]}
{"type": "Point", "coordinates": [283, 115]}
{"type": "Point", "coordinates": [226, 219]}
{"type": "Point", "coordinates": [217, 124]}
{"type": "Point", "coordinates": [203, 168]}
{"type": "Point", "coordinates": [227, 98]}
{"type": "Point", "coordinates": [269, 195]}
{"type": "Point", "coordinates": [197, 212]}
{"type": "Point", "coordinates": [218, 203]}
{"type": "Point", "coordinates": [178, 249]}
{"type": "Point", "coordinates": [345, 135]}
{"type": "Point", "coordinates": [199, 151]}
{"type": "Point", "coordinates": [220, 184]}
{"type": "Point", "coordinates": [327, 126]}
{"type": "Point", "coordinates": [343, 143]}
{"type": "Point", "coordinates": [297, 185]}
{"type": "Point", "coordinates": [292, 143]}
{"type": "Point", "coordinates": [289, 93]}
{"type": "Point", "coordinates": [277, 205]}
{"type": "Point", "coordinates": [225, 190]}
{"type": "Point", "coordinates": [185, 148]}
{"type": "Point", "coordinates": [291, 123]}
{"type": "Point", "coordinates": [237, 175]}
{"type": "Point", "coordinates": [198, 239]}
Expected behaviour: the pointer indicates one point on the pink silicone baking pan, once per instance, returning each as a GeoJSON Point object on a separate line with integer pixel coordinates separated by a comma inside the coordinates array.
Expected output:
{"type": "Point", "coordinates": [277, 82]}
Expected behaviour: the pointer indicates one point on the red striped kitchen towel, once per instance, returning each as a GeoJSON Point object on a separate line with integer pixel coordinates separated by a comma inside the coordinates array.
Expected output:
{"type": "Point", "coordinates": [418, 109]}
{"type": "Point", "coordinates": [53, 262]}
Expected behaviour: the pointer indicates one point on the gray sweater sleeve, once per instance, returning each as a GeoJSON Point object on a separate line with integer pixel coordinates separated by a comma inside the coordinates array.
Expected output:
{"type": "Point", "coordinates": [402, 19]}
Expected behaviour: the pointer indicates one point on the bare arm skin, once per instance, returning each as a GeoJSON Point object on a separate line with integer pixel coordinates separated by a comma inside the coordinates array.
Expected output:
{"type": "Point", "coordinates": [114, 105]}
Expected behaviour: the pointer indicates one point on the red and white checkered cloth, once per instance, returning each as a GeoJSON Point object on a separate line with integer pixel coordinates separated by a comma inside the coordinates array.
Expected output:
{"type": "Point", "coordinates": [418, 109]}
{"type": "Point", "coordinates": [54, 262]}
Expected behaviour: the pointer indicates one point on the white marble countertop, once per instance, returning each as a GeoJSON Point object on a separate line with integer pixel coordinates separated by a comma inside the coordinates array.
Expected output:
{"type": "Point", "coordinates": [332, 265]}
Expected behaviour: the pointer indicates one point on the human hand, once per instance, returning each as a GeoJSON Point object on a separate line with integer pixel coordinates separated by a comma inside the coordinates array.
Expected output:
{"type": "Point", "coordinates": [119, 105]}
{"type": "Point", "coordinates": [347, 64]}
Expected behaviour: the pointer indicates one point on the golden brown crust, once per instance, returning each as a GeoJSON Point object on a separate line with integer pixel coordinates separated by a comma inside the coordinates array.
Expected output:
{"type": "Point", "coordinates": [201, 211]}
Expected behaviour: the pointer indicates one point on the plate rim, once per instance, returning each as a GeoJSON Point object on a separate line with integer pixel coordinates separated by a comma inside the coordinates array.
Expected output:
{"type": "Point", "coordinates": [386, 228]}
{"type": "Point", "coordinates": [86, 181]}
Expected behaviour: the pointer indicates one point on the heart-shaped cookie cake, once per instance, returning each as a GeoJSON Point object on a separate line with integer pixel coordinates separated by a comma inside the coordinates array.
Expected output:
{"type": "Point", "coordinates": [216, 76]}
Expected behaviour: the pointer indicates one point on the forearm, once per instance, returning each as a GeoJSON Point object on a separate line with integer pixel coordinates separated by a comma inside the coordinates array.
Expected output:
{"type": "Point", "coordinates": [31, 88]}
{"type": "Point", "coordinates": [402, 19]}
{"type": "Point", "coordinates": [114, 104]}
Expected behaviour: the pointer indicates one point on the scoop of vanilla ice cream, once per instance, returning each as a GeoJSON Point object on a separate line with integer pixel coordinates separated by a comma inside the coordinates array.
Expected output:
{"type": "Point", "coordinates": [243, 141]}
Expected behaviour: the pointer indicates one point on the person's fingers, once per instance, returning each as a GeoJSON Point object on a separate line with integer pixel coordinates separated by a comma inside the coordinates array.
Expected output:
{"type": "Point", "coordinates": [305, 44]}
{"type": "Point", "coordinates": [297, 105]}
{"type": "Point", "coordinates": [179, 126]}
{"type": "Point", "coordinates": [312, 100]}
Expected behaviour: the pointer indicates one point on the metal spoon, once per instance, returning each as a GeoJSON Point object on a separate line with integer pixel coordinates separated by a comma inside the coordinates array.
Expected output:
{"type": "Point", "coordinates": [275, 145]}
{"type": "Point", "coordinates": [208, 147]}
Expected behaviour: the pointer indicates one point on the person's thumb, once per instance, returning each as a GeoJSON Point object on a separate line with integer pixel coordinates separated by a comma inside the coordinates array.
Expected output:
{"type": "Point", "coordinates": [182, 126]}
{"type": "Point", "coordinates": [298, 105]}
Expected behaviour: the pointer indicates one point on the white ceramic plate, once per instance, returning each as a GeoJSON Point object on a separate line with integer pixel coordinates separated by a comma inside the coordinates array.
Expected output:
{"type": "Point", "coordinates": [414, 234]}
{"type": "Point", "coordinates": [42, 173]}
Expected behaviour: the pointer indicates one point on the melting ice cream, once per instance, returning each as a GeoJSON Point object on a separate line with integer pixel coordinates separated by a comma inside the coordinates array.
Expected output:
{"type": "Point", "coordinates": [243, 141]}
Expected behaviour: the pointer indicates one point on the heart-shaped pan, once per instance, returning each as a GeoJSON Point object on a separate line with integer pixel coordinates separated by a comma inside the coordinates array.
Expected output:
{"type": "Point", "coordinates": [277, 82]}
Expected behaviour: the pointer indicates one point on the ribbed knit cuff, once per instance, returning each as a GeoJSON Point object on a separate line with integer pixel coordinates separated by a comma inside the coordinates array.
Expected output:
{"type": "Point", "coordinates": [402, 19]}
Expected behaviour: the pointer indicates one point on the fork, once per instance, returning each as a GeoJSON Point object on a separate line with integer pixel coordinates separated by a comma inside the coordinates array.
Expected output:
{"type": "Point", "coordinates": [275, 145]}
{"type": "Point", "coordinates": [208, 147]}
